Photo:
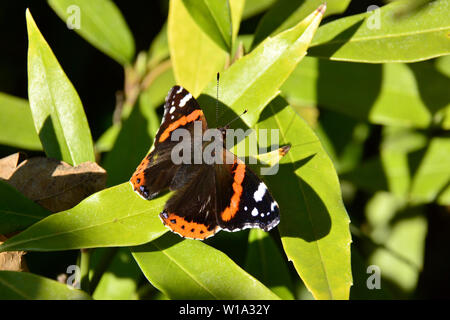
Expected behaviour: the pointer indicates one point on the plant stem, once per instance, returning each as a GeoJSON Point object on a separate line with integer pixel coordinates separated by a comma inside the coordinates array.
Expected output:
{"type": "Point", "coordinates": [85, 262]}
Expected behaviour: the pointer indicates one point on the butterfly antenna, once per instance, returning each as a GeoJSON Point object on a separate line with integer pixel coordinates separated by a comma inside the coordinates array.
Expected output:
{"type": "Point", "coordinates": [244, 112]}
{"type": "Point", "coordinates": [217, 99]}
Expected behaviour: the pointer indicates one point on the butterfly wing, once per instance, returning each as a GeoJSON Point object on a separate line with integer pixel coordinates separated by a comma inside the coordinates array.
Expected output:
{"type": "Point", "coordinates": [157, 170]}
{"type": "Point", "coordinates": [243, 200]}
{"type": "Point", "coordinates": [191, 211]}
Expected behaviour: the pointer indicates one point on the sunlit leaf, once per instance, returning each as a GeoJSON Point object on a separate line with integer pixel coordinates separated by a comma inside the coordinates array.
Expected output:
{"type": "Point", "coordinates": [177, 268]}
{"type": "Point", "coordinates": [55, 105]}
{"type": "Point", "coordinates": [27, 286]}
{"type": "Point", "coordinates": [101, 23]}
{"type": "Point", "coordinates": [113, 217]}
{"type": "Point", "coordinates": [16, 123]}
{"type": "Point", "coordinates": [386, 35]}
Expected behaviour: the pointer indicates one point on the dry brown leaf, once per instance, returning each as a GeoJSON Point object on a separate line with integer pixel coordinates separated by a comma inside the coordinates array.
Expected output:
{"type": "Point", "coordinates": [12, 260]}
{"type": "Point", "coordinates": [9, 164]}
{"type": "Point", "coordinates": [56, 185]}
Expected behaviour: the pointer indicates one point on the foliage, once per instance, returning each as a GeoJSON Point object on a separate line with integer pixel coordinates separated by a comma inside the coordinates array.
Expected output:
{"type": "Point", "coordinates": [361, 99]}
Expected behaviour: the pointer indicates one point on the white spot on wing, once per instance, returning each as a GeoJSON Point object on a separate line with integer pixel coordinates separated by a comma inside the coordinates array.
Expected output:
{"type": "Point", "coordinates": [179, 90]}
{"type": "Point", "coordinates": [255, 212]}
{"type": "Point", "coordinates": [185, 99]}
{"type": "Point", "coordinates": [273, 205]}
{"type": "Point", "coordinates": [245, 208]}
{"type": "Point", "coordinates": [172, 110]}
{"type": "Point", "coordinates": [259, 194]}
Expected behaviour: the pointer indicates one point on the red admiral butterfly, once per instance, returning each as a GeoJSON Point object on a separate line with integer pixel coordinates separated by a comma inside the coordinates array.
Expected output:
{"type": "Point", "coordinates": [208, 197]}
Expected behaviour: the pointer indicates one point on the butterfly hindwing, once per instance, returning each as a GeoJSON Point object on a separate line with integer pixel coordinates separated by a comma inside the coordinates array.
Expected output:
{"type": "Point", "coordinates": [190, 212]}
{"type": "Point", "coordinates": [245, 201]}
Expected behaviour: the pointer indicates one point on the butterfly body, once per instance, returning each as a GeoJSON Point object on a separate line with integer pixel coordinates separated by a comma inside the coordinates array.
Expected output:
{"type": "Point", "coordinates": [208, 197]}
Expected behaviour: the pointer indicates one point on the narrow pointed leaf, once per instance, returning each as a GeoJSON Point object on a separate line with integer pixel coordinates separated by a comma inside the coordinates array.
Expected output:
{"type": "Point", "coordinates": [314, 225]}
{"type": "Point", "coordinates": [195, 57]}
{"type": "Point", "coordinates": [27, 286]}
{"type": "Point", "coordinates": [254, 7]}
{"type": "Point", "coordinates": [265, 262]}
{"type": "Point", "coordinates": [254, 80]}
{"type": "Point", "coordinates": [16, 124]}
{"type": "Point", "coordinates": [214, 18]}
{"type": "Point", "coordinates": [177, 268]}
{"type": "Point", "coordinates": [17, 211]}
{"type": "Point", "coordinates": [112, 217]}
{"type": "Point", "coordinates": [285, 14]}
{"type": "Point", "coordinates": [55, 105]}
{"type": "Point", "coordinates": [433, 174]}
{"type": "Point", "coordinates": [101, 23]}
{"type": "Point", "coordinates": [385, 35]}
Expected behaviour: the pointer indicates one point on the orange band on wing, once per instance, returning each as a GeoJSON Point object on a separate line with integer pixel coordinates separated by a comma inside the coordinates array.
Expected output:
{"type": "Point", "coordinates": [180, 122]}
{"type": "Point", "coordinates": [187, 229]}
{"type": "Point", "coordinates": [231, 210]}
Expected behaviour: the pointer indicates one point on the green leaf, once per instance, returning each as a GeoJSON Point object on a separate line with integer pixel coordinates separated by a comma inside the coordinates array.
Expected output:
{"type": "Point", "coordinates": [55, 105]}
{"type": "Point", "coordinates": [101, 23]}
{"type": "Point", "coordinates": [401, 231]}
{"type": "Point", "coordinates": [285, 14]}
{"type": "Point", "coordinates": [396, 148]}
{"type": "Point", "coordinates": [120, 280]}
{"type": "Point", "coordinates": [110, 218]}
{"type": "Point", "coordinates": [314, 225]}
{"type": "Point", "coordinates": [16, 124]}
{"type": "Point", "coordinates": [254, 80]}
{"type": "Point", "coordinates": [433, 173]}
{"type": "Point", "coordinates": [17, 211]}
{"type": "Point", "coordinates": [190, 269]}
{"type": "Point", "coordinates": [27, 286]}
{"type": "Point", "coordinates": [384, 35]}
{"type": "Point", "coordinates": [214, 18]}
{"type": "Point", "coordinates": [407, 95]}
{"type": "Point", "coordinates": [266, 263]}
{"type": "Point", "coordinates": [196, 64]}
{"type": "Point", "coordinates": [254, 7]}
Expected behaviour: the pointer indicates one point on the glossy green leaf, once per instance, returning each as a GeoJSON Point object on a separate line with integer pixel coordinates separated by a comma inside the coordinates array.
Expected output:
{"type": "Point", "coordinates": [314, 226]}
{"type": "Point", "coordinates": [190, 269]}
{"type": "Point", "coordinates": [285, 14]}
{"type": "Point", "coordinates": [254, 80]}
{"type": "Point", "coordinates": [236, 9]}
{"type": "Point", "coordinates": [395, 151]}
{"type": "Point", "coordinates": [384, 35]}
{"type": "Point", "coordinates": [407, 95]}
{"type": "Point", "coordinates": [254, 7]}
{"type": "Point", "coordinates": [433, 173]}
{"type": "Point", "coordinates": [266, 263]}
{"type": "Point", "coordinates": [16, 123]}
{"type": "Point", "coordinates": [101, 23]}
{"type": "Point", "coordinates": [27, 286]}
{"type": "Point", "coordinates": [196, 64]}
{"type": "Point", "coordinates": [17, 211]}
{"type": "Point", "coordinates": [120, 280]}
{"type": "Point", "coordinates": [214, 18]}
{"type": "Point", "coordinates": [55, 105]}
{"type": "Point", "coordinates": [110, 218]}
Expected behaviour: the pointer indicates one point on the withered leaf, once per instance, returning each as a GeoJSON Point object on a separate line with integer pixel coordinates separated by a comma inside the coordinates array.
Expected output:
{"type": "Point", "coordinates": [56, 185]}
{"type": "Point", "coordinates": [12, 260]}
